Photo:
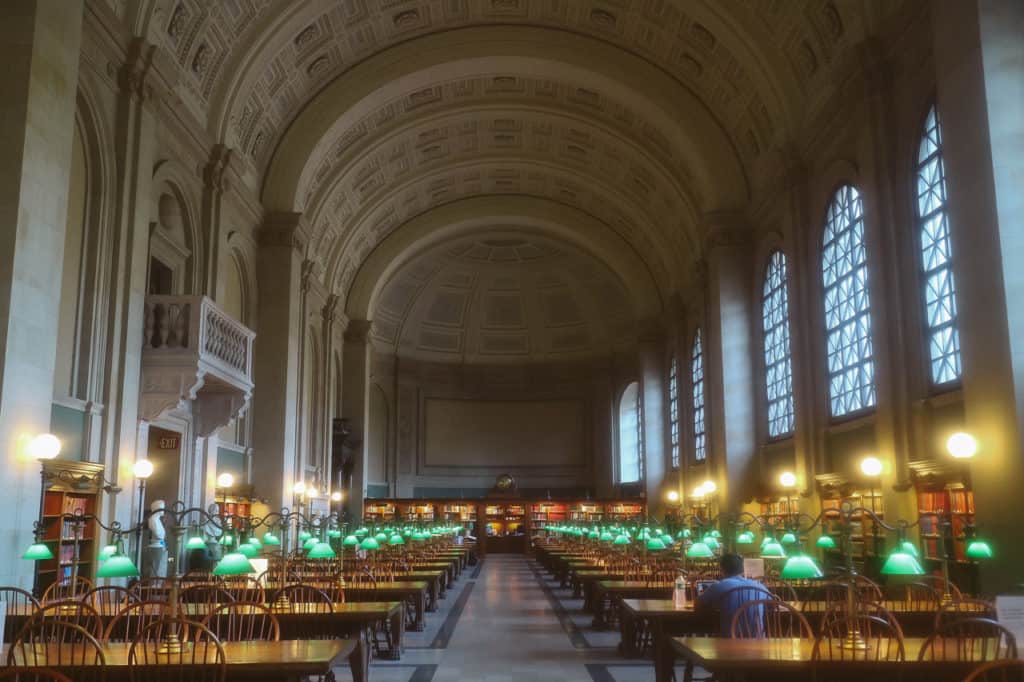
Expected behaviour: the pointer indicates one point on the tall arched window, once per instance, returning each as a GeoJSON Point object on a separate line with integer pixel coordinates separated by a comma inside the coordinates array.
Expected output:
{"type": "Point", "coordinates": [778, 367]}
{"type": "Point", "coordinates": [700, 451]}
{"type": "Point", "coordinates": [673, 412]}
{"type": "Point", "coordinates": [630, 459]}
{"type": "Point", "coordinates": [936, 257]}
{"type": "Point", "coordinates": [844, 266]}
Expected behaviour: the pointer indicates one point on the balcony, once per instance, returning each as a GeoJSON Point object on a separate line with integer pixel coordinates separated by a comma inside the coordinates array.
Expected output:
{"type": "Point", "coordinates": [193, 352]}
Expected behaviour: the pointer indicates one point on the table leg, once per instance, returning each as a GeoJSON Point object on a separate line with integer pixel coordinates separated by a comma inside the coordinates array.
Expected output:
{"type": "Point", "coordinates": [432, 602]}
{"type": "Point", "coordinates": [577, 587]}
{"type": "Point", "coordinates": [359, 659]}
{"type": "Point", "coordinates": [627, 634]}
{"type": "Point", "coordinates": [588, 597]}
{"type": "Point", "coordinates": [419, 623]}
{"type": "Point", "coordinates": [664, 659]}
{"type": "Point", "coordinates": [599, 622]}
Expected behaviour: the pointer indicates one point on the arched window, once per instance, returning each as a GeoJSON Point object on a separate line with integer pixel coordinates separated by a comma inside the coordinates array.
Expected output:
{"type": "Point", "coordinates": [936, 257]}
{"type": "Point", "coordinates": [700, 451]}
{"type": "Point", "coordinates": [630, 459]}
{"type": "Point", "coordinates": [673, 412]}
{"type": "Point", "coordinates": [778, 368]}
{"type": "Point", "coordinates": [844, 266]}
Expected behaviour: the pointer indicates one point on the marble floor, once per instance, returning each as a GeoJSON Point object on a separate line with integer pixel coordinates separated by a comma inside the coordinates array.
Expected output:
{"type": "Point", "coordinates": [506, 621]}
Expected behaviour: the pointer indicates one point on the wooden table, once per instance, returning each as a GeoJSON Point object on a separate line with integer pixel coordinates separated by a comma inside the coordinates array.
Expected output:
{"type": "Point", "coordinates": [414, 591]}
{"type": "Point", "coordinates": [790, 659]}
{"type": "Point", "coordinates": [616, 590]}
{"type": "Point", "coordinates": [282, 661]}
{"type": "Point", "coordinates": [662, 619]}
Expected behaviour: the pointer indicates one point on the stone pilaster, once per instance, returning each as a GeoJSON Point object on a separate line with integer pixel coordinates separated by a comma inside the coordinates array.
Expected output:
{"type": "Point", "coordinates": [355, 403]}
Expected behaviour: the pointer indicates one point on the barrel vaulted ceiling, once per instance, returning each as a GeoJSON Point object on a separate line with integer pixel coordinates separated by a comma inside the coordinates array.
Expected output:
{"type": "Point", "coordinates": [639, 116]}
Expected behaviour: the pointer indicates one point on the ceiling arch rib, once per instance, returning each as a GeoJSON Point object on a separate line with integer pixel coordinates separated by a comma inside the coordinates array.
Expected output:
{"type": "Point", "coordinates": [692, 131]}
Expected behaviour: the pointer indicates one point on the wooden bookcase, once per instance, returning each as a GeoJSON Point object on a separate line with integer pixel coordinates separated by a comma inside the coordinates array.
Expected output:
{"type": "Point", "coordinates": [945, 505]}
{"type": "Point", "coordinates": [76, 491]}
{"type": "Point", "coordinates": [866, 538]}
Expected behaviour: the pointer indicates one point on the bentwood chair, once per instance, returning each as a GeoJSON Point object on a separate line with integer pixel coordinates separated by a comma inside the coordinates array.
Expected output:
{"type": "Point", "coordinates": [132, 619]}
{"type": "Point", "coordinates": [33, 674]}
{"type": "Point", "coordinates": [55, 643]}
{"type": "Point", "coordinates": [244, 588]}
{"type": "Point", "coordinates": [964, 608]}
{"type": "Point", "coordinates": [884, 641]}
{"type": "Point", "coordinates": [205, 596]}
{"type": "Point", "coordinates": [838, 611]}
{"type": "Point", "coordinates": [920, 597]}
{"type": "Point", "coordinates": [19, 602]}
{"type": "Point", "coordinates": [769, 619]}
{"type": "Point", "coordinates": [109, 599]}
{"type": "Point", "coordinates": [243, 622]}
{"type": "Point", "coordinates": [998, 671]}
{"type": "Point", "coordinates": [941, 585]}
{"type": "Point", "coordinates": [68, 588]}
{"type": "Point", "coordinates": [202, 660]}
{"type": "Point", "coordinates": [822, 597]}
{"type": "Point", "coordinates": [74, 612]}
{"type": "Point", "coordinates": [970, 639]}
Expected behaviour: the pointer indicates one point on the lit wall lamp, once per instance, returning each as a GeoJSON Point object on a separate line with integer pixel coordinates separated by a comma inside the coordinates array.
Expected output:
{"type": "Point", "coordinates": [142, 469]}
{"type": "Point", "coordinates": [962, 445]}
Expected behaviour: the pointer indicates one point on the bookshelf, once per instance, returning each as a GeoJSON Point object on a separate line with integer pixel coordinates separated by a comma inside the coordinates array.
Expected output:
{"type": "Point", "coordinates": [75, 492]}
{"type": "Point", "coordinates": [866, 538]}
{"type": "Point", "coordinates": [378, 512]}
{"type": "Point", "coordinates": [623, 511]}
{"type": "Point", "coordinates": [951, 508]}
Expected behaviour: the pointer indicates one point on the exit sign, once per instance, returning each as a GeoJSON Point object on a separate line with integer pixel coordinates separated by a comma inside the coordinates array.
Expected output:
{"type": "Point", "coordinates": [168, 442]}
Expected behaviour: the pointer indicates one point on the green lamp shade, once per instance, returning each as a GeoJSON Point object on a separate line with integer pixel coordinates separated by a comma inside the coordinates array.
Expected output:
{"type": "Point", "coordinates": [687, 532]}
{"type": "Point", "coordinates": [621, 540]}
{"type": "Point", "coordinates": [254, 541]}
{"type": "Point", "coordinates": [109, 551]}
{"type": "Point", "coordinates": [195, 542]}
{"type": "Point", "coordinates": [370, 544]}
{"type": "Point", "coordinates": [321, 550]}
{"type": "Point", "coordinates": [381, 537]}
{"type": "Point", "coordinates": [978, 549]}
{"type": "Point", "coordinates": [233, 563]}
{"type": "Point", "coordinates": [362, 532]}
{"type": "Point", "coordinates": [350, 541]}
{"type": "Point", "coordinates": [715, 533]}
{"type": "Point", "coordinates": [800, 567]}
{"type": "Point", "coordinates": [308, 544]}
{"type": "Point", "coordinates": [826, 542]}
{"type": "Point", "coordinates": [594, 535]}
{"type": "Point", "coordinates": [117, 566]}
{"type": "Point", "coordinates": [248, 550]}
{"type": "Point", "coordinates": [607, 537]}
{"type": "Point", "coordinates": [304, 535]}
{"type": "Point", "coordinates": [396, 539]}
{"type": "Point", "coordinates": [407, 533]}
{"type": "Point", "coordinates": [667, 539]}
{"type": "Point", "coordinates": [901, 563]}
{"type": "Point", "coordinates": [773, 550]}
{"type": "Point", "coordinates": [788, 538]}
{"type": "Point", "coordinates": [910, 548]}
{"type": "Point", "coordinates": [334, 533]}
{"type": "Point", "coordinates": [655, 545]}
{"type": "Point", "coordinates": [226, 539]}
{"type": "Point", "coordinates": [745, 538]}
{"type": "Point", "coordinates": [37, 552]}
{"type": "Point", "coordinates": [711, 542]}
{"type": "Point", "coordinates": [699, 550]}
{"type": "Point", "coordinates": [271, 539]}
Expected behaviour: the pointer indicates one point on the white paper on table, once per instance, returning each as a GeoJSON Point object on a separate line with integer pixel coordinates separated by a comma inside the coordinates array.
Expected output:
{"type": "Point", "coordinates": [1010, 612]}
{"type": "Point", "coordinates": [753, 568]}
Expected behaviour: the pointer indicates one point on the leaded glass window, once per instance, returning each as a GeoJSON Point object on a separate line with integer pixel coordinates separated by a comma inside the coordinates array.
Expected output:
{"type": "Point", "coordinates": [936, 264]}
{"type": "Point", "coordinates": [673, 412]}
{"type": "Point", "coordinates": [844, 263]}
{"type": "Point", "coordinates": [630, 461]}
{"type": "Point", "coordinates": [700, 452]}
{"type": "Point", "coordinates": [778, 367]}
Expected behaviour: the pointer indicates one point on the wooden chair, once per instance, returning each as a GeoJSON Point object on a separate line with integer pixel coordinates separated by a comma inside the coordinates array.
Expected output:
{"type": "Point", "coordinates": [745, 593]}
{"type": "Point", "coordinates": [964, 608]}
{"type": "Point", "coordinates": [201, 661]}
{"type": "Point", "coordinates": [970, 639]}
{"type": "Point", "coordinates": [132, 619]}
{"type": "Point", "coordinates": [867, 589]}
{"type": "Point", "coordinates": [79, 649]}
{"type": "Point", "coordinates": [921, 597]}
{"type": "Point", "coordinates": [243, 622]}
{"type": "Point", "coordinates": [244, 588]}
{"type": "Point", "coordinates": [152, 589]}
{"type": "Point", "coordinates": [885, 643]}
{"type": "Point", "coordinates": [782, 590]}
{"type": "Point", "coordinates": [305, 598]}
{"type": "Point", "coordinates": [15, 596]}
{"type": "Point", "coordinates": [838, 612]}
{"type": "Point", "coordinates": [109, 599]}
{"type": "Point", "coordinates": [769, 619]}
{"type": "Point", "coordinates": [940, 585]}
{"type": "Point", "coordinates": [206, 596]}
{"type": "Point", "coordinates": [822, 597]}
{"type": "Point", "coordinates": [998, 671]}
{"type": "Point", "coordinates": [33, 675]}
{"type": "Point", "coordinates": [67, 588]}
{"type": "Point", "coordinates": [74, 612]}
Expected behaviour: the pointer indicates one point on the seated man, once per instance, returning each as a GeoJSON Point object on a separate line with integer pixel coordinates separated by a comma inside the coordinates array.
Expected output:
{"type": "Point", "coordinates": [731, 592]}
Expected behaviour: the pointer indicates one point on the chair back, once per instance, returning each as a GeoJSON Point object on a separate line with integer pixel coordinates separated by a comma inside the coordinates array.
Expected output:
{"type": "Point", "coordinates": [152, 589]}
{"type": "Point", "coordinates": [838, 612]}
{"type": "Point", "coordinates": [964, 608]}
{"type": "Point", "coordinates": [199, 659]}
{"type": "Point", "coordinates": [58, 644]}
{"type": "Point", "coordinates": [244, 588]}
{"type": "Point", "coordinates": [823, 597]}
{"type": "Point", "coordinates": [884, 642]}
{"type": "Point", "coordinates": [920, 597]}
{"type": "Point", "coordinates": [67, 588]}
{"type": "Point", "coordinates": [969, 639]}
{"type": "Point", "coordinates": [243, 622]}
{"type": "Point", "coordinates": [998, 671]}
{"type": "Point", "coordinates": [33, 674]}
{"type": "Point", "coordinates": [205, 596]}
{"type": "Point", "coordinates": [304, 598]}
{"type": "Point", "coordinates": [75, 612]}
{"type": "Point", "coordinates": [132, 619]}
{"type": "Point", "coordinates": [941, 585]}
{"type": "Point", "coordinates": [769, 619]}
{"type": "Point", "coordinates": [109, 599]}
{"type": "Point", "coordinates": [782, 590]}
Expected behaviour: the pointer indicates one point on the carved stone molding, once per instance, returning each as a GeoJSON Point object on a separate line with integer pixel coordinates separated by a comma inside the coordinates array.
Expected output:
{"type": "Point", "coordinates": [358, 331]}
{"type": "Point", "coordinates": [284, 229]}
{"type": "Point", "coordinates": [216, 169]}
{"type": "Point", "coordinates": [133, 75]}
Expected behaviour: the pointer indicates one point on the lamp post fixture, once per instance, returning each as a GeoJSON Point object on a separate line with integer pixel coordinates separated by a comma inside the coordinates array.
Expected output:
{"type": "Point", "coordinates": [142, 469]}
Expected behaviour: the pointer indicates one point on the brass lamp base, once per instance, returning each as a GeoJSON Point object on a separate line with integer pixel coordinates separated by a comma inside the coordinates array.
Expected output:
{"type": "Point", "coordinates": [854, 641]}
{"type": "Point", "coordinates": [282, 603]}
{"type": "Point", "coordinates": [170, 644]}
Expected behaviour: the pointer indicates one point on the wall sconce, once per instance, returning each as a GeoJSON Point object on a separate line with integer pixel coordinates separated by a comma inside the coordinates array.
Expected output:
{"type": "Point", "coordinates": [871, 466]}
{"type": "Point", "coordinates": [672, 496]}
{"type": "Point", "coordinates": [787, 479]}
{"type": "Point", "coordinates": [44, 446]}
{"type": "Point", "coordinates": [225, 480]}
{"type": "Point", "coordinates": [962, 445]}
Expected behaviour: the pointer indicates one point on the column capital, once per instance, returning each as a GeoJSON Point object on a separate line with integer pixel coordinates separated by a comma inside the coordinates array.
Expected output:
{"type": "Point", "coordinates": [358, 331]}
{"type": "Point", "coordinates": [134, 74]}
{"type": "Point", "coordinates": [216, 169]}
{"type": "Point", "coordinates": [284, 228]}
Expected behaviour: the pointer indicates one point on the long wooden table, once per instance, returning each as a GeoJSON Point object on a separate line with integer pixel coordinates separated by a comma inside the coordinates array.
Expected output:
{"type": "Point", "coordinates": [284, 661]}
{"type": "Point", "coordinates": [413, 590]}
{"type": "Point", "coordinates": [763, 660]}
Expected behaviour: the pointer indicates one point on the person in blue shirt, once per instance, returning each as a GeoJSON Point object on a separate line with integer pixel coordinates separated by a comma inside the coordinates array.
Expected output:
{"type": "Point", "coordinates": [731, 592]}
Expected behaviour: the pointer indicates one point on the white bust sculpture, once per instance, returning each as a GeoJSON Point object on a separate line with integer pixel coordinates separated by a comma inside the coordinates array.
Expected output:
{"type": "Point", "coordinates": [156, 525]}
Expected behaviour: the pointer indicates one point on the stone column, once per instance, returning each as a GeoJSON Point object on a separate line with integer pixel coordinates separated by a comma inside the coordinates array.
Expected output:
{"type": "Point", "coordinates": [730, 379]}
{"type": "Point", "coordinates": [653, 387]}
{"type": "Point", "coordinates": [979, 64]}
{"type": "Point", "coordinates": [39, 43]}
{"type": "Point", "coordinates": [354, 400]}
{"type": "Point", "coordinates": [277, 348]}
{"type": "Point", "coordinates": [215, 184]}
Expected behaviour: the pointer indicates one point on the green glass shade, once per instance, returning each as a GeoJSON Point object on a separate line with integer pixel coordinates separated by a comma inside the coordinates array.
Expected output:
{"type": "Point", "coordinates": [254, 542]}
{"type": "Point", "coordinates": [248, 550]}
{"type": "Point", "coordinates": [362, 532]}
{"type": "Point", "coordinates": [396, 539]}
{"type": "Point", "coordinates": [321, 550]}
{"type": "Point", "coordinates": [370, 544]}
{"type": "Point", "coordinates": [109, 551]}
{"type": "Point", "coordinates": [195, 542]}
{"type": "Point", "coordinates": [607, 537]}
{"type": "Point", "coordinates": [271, 539]}
{"type": "Point", "coordinates": [350, 541]}
{"type": "Point", "coordinates": [800, 567]}
{"type": "Point", "coordinates": [304, 535]}
{"type": "Point", "coordinates": [117, 566]}
{"type": "Point", "coordinates": [765, 540]}
{"type": "Point", "coordinates": [37, 552]}
{"type": "Point", "coordinates": [901, 563]}
{"type": "Point", "coordinates": [655, 545]}
{"type": "Point", "coordinates": [715, 534]}
{"type": "Point", "coordinates": [594, 535]}
{"type": "Point", "coordinates": [773, 550]}
{"type": "Point", "coordinates": [745, 538]}
{"type": "Point", "coordinates": [621, 540]}
{"type": "Point", "coordinates": [687, 532]}
{"type": "Point", "coordinates": [667, 539]}
{"type": "Point", "coordinates": [826, 542]}
{"type": "Point", "coordinates": [910, 548]}
{"type": "Point", "coordinates": [711, 542]}
{"type": "Point", "coordinates": [699, 550]}
{"type": "Point", "coordinates": [234, 563]}
{"type": "Point", "coordinates": [226, 539]}
{"type": "Point", "coordinates": [381, 537]}
{"type": "Point", "coordinates": [308, 544]}
{"type": "Point", "coordinates": [334, 533]}
{"type": "Point", "coordinates": [978, 549]}
{"type": "Point", "coordinates": [788, 538]}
